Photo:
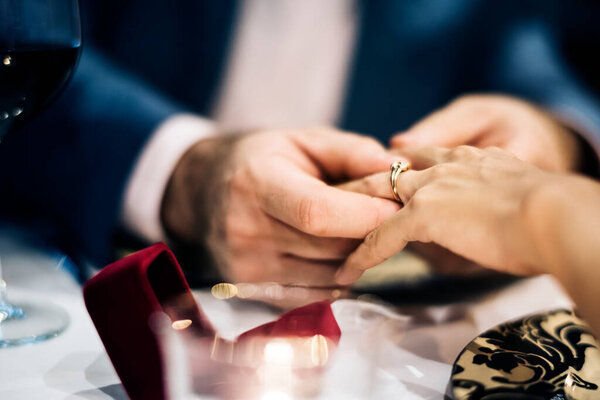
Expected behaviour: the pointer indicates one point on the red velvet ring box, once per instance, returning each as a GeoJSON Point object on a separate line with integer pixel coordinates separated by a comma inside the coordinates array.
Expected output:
{"type": "Point", "coordinates": [123, 296]}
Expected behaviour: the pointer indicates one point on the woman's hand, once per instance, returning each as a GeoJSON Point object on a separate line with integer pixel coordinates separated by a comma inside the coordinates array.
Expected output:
{"type": "Point", "coordinates": [473, 202]}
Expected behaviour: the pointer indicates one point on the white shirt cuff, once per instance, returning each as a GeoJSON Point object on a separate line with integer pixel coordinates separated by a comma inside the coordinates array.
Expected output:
{"type": "Point", "coordinates": [140, 212]}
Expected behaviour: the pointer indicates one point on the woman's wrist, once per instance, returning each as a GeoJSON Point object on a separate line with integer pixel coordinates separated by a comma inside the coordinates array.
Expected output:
{"type": "Point", "coordinates": [565, 227]}
{"type": "Point", "coordinates": [559, 209]}
{"type": "Point", "coordinates": [540, 215]}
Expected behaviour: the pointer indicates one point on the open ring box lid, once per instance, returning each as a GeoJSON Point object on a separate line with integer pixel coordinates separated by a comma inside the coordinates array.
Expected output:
{"type": "Point", "coordinates": [123, 297]}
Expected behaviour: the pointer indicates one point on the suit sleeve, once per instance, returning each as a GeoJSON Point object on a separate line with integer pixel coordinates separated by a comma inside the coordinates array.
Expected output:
{"type": "Point", "coordinates": [69, 167]}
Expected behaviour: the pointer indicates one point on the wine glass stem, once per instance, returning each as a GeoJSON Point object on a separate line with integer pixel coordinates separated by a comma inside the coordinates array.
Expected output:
{"type": "Point", "coordinates": [7, 310]}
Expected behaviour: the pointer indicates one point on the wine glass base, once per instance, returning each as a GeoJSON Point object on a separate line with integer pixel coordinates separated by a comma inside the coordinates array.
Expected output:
{"type": "Point", "coordinates": [39, 322]}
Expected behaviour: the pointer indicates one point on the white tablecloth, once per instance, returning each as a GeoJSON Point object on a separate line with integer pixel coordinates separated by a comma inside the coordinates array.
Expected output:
{"type": "Point", "coordinates": [74, 365]}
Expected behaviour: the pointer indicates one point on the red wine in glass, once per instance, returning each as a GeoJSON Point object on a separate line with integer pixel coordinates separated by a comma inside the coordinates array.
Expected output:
{"type": "Point", "coordinates": [30, 79]}
{"type": "Point", "coordinates": [39, 48]}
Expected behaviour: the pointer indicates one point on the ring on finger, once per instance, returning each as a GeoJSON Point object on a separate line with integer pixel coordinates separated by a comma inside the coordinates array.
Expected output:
{"type": "Point", "coordinates": [396, 169]}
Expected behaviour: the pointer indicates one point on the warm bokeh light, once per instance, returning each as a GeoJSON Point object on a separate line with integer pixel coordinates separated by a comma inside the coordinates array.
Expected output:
{"type": "Point", "coordinates": [277, 369]}
{"type": "Point", "coordinates": [222, 350]}
{"type": "Point", "coordinates": [246, 290]}
{"type": "Point", "coordinates": [181, 324]}
{"type": "Point", "coordinates": [319, 350]}
{"type": "Point", "coordinates": [278, 351]}
{"type": "Point", "coordinates": [224, 291]}
{"type": "Point", "coordinates": [275, 291]}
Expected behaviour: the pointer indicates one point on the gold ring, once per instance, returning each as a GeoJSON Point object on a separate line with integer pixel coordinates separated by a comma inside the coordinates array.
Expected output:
{"type": "Point", "coordinates": [396, 169]}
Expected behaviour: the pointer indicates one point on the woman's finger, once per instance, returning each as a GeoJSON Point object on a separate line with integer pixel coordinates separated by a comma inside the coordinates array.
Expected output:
{"type": "Point", "coordinates": [382, 243]}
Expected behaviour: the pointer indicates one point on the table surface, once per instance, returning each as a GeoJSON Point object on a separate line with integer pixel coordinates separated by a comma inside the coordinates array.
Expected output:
{"type": "Point", "coordinates": [74, 365]}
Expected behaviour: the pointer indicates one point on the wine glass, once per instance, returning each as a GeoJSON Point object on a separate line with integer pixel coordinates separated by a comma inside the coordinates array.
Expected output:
{"type": "Point", "coordinates": [40, 41]}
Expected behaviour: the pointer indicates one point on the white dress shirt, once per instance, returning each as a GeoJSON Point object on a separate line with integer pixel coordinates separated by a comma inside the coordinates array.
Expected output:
{"type": "Point", "coordinates": [288, 67]}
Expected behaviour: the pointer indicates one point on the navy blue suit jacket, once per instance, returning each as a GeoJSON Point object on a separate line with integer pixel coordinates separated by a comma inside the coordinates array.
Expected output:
{"type": "Point", "coordinates": [145, 60]}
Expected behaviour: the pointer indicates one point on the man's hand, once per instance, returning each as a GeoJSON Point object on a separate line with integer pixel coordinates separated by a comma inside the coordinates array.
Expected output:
{"type": "Point", "coordinates": [491, 120]}
{"type": "Point", "coordinates": [262, 203]}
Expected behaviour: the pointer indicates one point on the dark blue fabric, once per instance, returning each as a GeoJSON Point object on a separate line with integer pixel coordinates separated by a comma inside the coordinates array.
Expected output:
{"type": "Point", "coordinates": [64, 174]}
{"type": "Point", "coordinates": [179, 46]}
{"type": "Point", "coordinates": [70, 166]}
{"type": "Point", "coordinates": [416, 56]}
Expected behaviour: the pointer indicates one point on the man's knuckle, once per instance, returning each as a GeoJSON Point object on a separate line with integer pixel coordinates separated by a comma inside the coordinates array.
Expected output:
{"type": "Point", "coordinates": [239, 181]}
{"type": "Point", "coordinates": [474, 99]}
{"type": "Point", "coordinates": [311, 217]}
{"type": "Point", "coordinates": [466, 99]}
